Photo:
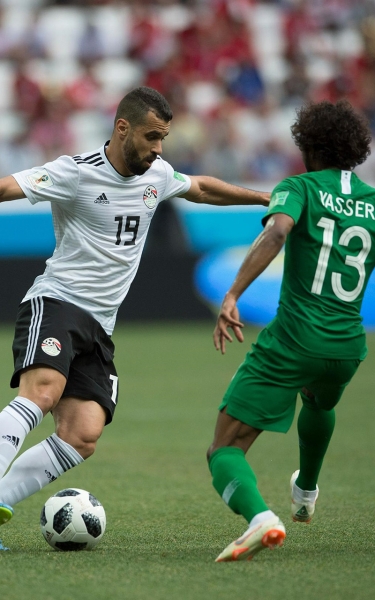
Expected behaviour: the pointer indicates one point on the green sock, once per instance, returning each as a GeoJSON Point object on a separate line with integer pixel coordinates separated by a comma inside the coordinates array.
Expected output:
{"type": "Point", "coordinates": [235, 482]}
{"type": "Point", "coordinates": [315, 428]}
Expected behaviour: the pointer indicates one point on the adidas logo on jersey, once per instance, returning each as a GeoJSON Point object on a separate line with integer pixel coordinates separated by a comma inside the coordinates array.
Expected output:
{"type": "Point", "coordinates": [12, 439]}
{"type": "Point", "coordinates": [102, 199]}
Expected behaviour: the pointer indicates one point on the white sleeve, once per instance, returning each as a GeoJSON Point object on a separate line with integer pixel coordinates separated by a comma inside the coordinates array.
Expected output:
{"type": "Point", "coordinates": [177, 183]}
{"type": "Point", "coordinates": [56, 181]}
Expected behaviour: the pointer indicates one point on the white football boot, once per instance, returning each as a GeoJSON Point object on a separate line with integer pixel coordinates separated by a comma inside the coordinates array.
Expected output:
{"type": "Point", "coordinates": [303, 504]}
{"type": "Point", "coordinates": [267, 534]}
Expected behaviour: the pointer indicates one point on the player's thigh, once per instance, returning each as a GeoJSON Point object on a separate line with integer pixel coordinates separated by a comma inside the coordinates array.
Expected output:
{"type": "Point", "coordinates": [330, 385]}
{"type": "Point", "coordinates": [43, 386]}
{"type": "Point", "coordinates": [264, 390]}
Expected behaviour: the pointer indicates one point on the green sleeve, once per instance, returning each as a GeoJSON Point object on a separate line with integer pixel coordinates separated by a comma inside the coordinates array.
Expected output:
{"type": "Point", "coordinates": [289, 198]}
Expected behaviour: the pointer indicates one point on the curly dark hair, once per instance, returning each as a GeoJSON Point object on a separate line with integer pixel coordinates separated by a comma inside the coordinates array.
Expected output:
{"type": "Point", "coordinates": [335, 135]}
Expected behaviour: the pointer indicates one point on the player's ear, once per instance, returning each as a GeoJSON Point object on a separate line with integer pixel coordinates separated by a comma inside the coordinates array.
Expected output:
{"type": "Point", "coordinates": [122, 127]}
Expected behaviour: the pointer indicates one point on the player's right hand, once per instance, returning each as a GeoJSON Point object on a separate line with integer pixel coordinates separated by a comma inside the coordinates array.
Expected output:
{"type": "Point", "coordinates": [228, 317]}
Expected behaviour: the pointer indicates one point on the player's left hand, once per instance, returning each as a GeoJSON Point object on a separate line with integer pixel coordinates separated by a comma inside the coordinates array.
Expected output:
{"type": "Point", "coordinates": [228, 317]}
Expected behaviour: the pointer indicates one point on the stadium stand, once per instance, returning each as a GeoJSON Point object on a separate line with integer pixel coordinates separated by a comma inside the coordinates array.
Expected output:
{"type": "Point", "coordinates": [233, 70]}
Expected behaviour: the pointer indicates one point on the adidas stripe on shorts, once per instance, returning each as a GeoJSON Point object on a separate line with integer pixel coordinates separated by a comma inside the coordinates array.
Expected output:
{"type": "Point", "coordinates": [63, 336]}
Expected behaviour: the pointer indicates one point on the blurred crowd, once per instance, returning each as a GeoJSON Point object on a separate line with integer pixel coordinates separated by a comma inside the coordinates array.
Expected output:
{"type": "Point", "coordinates": [234, 72]}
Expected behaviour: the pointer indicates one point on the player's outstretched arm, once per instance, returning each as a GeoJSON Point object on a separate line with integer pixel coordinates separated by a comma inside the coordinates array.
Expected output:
{"type": "Point", "coordinates": [209, 190]}
{"type": "Point", "coordinates": [9, 189]}
{"type": "Point", "coordinates": [263, 250]}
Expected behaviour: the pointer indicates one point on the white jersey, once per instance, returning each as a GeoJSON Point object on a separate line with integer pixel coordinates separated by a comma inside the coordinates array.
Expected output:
{"type": "Point", "coordinates": [101, 220]}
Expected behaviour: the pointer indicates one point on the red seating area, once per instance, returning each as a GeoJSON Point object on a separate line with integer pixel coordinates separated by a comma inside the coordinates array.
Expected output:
{"type": "Point", "coordinates": [234, 72]}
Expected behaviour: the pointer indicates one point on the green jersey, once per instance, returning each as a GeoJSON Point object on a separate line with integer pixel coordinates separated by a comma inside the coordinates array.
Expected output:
{"type": "Point", "coordinates": [329, 257]}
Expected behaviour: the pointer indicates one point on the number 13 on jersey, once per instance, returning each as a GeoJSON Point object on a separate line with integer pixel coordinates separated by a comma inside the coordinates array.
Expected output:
{"type": "Point", "coordinates": [357, 262]}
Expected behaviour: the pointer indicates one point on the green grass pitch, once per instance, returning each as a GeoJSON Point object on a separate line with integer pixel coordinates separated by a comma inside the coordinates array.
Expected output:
{"type": "Point", "coordinates": [165, 523]}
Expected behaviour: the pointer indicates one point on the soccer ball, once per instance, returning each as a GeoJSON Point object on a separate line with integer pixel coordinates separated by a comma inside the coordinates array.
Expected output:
{"type": "Point", "coordinates": [73, 519]}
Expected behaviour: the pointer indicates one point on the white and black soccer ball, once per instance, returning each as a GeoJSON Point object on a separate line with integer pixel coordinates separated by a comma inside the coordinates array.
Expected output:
{"type": "Point", "coordinates": [73, 519]}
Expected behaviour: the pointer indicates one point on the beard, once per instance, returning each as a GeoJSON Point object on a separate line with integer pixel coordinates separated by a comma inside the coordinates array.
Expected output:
{"type": "Point", "coordinates": [133, 161]}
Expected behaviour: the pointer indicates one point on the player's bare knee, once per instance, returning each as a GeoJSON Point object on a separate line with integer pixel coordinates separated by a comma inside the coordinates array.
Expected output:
{"type": "Point", "coordinates": [214, 446]}
{"type": "Point", "coordinates": [85, 445]}
{"type": "Point", "coordinates": [209, 452]}
{"type": "Point", "coordinates": [47, 401]}
{"type": "Point", "coordinates": [42, 386]}
{"type": "Point", "coordinates": [43, 396]}
{"type": "Point", "coordinates": [85, 448]}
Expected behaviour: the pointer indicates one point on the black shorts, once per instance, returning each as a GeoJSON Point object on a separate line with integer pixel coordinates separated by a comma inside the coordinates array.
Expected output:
{"type": "Point", "coordinates": [62, 336]}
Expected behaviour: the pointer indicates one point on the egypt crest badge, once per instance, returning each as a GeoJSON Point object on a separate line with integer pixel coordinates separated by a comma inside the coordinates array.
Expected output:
{"type": "Point", "coordinates": [51, 346]}
{"type": "Point", "coordinates": [150, 196]}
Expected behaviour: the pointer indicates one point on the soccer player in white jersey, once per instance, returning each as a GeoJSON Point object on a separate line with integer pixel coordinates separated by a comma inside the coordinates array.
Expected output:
{"type": "Point", "coordinates": [102, 205]}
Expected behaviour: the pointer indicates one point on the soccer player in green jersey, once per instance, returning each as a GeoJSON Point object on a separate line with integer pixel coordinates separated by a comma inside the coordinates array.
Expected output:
{"type": "Point", "coordinates": [326, 218]}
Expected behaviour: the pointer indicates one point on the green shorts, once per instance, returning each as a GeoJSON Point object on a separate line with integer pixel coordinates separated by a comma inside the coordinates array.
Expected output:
{"type": "Point", "coordinates": [264, 390]}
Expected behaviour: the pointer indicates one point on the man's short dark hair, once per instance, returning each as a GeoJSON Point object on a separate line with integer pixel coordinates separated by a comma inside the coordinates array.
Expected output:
{"type": "Point", "coordinates": [334, 134]}
{"type": "Point", "coordinates": [137, 103]}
